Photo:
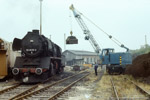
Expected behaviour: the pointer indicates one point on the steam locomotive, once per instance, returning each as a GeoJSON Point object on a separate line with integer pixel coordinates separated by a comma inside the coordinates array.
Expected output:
{"type": "Point", "coordinates": [40, 58]}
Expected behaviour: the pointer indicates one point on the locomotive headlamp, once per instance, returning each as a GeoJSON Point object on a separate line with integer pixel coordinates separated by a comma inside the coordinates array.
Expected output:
{"type": "Point", "coordinates": [15, 71]}
{"type": "Point", "coordinates": [38, 71]}
{"type": "Point", "coordinates": [31, 41]}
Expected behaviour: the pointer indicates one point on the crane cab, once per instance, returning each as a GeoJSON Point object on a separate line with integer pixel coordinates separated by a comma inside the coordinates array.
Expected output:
{"type": "Point", "coordinates": [105, 55]}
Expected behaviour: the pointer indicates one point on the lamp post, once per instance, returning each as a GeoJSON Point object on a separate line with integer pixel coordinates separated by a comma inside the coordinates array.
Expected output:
{"type": "Point", "coordinates": [41, 17]}
{"type": "Point", "coordinates": [64, 41]}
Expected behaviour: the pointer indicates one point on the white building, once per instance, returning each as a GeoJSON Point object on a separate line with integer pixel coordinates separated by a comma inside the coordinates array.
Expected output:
{"type": "Point", "coordinates": [78, 57]}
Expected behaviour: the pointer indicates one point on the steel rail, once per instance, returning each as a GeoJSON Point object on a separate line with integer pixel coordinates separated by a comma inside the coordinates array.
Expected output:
{"type": "Point", "coordinates": [114, 88]}
{"type": "Point", "coordinates": [29, 90]}
{"type": "Point", "coordinates": [42, 89]}
{"type": "Point", "coordinates": [25, 92]}
{"type": "Point", "coordinates": [140, 88]}
{"type": "Point", "coordinates": [10, 88]}
{"type": "Point", "coordinates": [66, 88]}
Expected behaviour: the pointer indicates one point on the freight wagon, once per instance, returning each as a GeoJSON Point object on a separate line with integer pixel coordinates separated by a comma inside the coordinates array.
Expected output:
{"type": "Point", "coordinates": [7, 58]}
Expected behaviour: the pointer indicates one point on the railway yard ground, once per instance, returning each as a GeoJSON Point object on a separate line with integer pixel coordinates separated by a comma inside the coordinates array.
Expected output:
{"type": "Point", "coordinates": [88, 87]}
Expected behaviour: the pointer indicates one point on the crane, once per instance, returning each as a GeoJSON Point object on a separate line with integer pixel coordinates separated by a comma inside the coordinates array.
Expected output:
{"type": "Point", "coordinates": [88, 35]}
{"type": "Point", "coordinates": [115, 61]}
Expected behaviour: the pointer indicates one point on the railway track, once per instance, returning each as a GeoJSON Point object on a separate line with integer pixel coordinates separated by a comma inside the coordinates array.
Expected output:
{"type": "Point", "coordinates": [20, 89]}
{"type": "Point", "coordinates": [143, 91]}
{"type": "Point", "coordinates": [145, 95]}
{"type": "Point", "coordinates": [12, 92]}
{"type": "Point", "coordinates": [54, 90]}
{"type": "Point", "coordinates": [114, 89]}
{"type": "Point", "coordinates": [9, 89]}
{"type": "Point", "coordinates": [5, 85]}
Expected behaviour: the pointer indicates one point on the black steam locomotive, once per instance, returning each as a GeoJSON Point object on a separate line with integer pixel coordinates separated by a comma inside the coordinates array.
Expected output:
{"type": "Point", "coordinates": [41, 58]}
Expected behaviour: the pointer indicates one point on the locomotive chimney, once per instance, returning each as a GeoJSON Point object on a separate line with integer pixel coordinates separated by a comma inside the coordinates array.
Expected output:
{"type": "Point", "coordinates": [35, 32]}
{"type": "Point", "coordinates": [29, 32]}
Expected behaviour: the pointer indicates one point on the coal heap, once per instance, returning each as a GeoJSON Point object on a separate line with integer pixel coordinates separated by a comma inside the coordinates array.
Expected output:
{"type": "Point", "coordinates": [140, 66]}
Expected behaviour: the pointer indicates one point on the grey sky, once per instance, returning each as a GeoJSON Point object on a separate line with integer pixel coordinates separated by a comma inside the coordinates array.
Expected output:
{"type": "Point", "coordinates": [126, 20]}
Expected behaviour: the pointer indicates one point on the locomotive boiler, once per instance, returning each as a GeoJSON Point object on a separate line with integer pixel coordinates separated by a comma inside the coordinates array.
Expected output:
{"type": "Point", "coordinates": [40, 58]}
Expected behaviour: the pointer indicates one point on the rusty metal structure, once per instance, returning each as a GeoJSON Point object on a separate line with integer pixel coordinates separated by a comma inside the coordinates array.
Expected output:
{"type": "Point", "coordinates": [7, 58]}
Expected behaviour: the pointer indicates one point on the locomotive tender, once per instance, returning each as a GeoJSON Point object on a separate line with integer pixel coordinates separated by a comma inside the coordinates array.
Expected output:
{"type": "Point", "coordinates": [41, 58]}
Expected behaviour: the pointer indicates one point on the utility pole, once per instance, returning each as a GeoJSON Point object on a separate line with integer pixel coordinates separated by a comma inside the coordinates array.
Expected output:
{"type": "Point", "coordinates": [64, 41]}
{"type": "Point", "coordinates": [41, 17]}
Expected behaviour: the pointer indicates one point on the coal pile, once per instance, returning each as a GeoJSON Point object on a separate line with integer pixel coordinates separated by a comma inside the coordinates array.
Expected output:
{"type": "Point", "coordinates": [140, 66]}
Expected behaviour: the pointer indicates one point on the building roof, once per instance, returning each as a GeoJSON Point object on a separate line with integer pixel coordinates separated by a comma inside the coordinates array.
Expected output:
{"type": "Point", "coordinates": [82, 52]}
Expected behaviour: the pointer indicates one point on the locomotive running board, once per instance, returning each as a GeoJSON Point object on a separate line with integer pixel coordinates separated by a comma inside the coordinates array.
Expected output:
{"type": "Point", "coordinates": [3, 64]}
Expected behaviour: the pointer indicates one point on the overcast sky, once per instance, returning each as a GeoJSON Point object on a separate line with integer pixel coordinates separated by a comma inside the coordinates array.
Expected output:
{"type": "Point", "coordinates": [126, 20]}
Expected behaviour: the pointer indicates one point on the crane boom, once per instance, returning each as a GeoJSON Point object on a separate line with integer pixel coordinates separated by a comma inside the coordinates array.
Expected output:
{"type": "Point", "coordinates": [88, 35]}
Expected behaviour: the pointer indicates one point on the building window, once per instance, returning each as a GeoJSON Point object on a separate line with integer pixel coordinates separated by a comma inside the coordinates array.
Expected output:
{"type": "Point", "coordinates": [87, 60]}
{"type": "Point", "coordinates": [94, 60]}
{"type": "Point", "coordinates": [91, 59]}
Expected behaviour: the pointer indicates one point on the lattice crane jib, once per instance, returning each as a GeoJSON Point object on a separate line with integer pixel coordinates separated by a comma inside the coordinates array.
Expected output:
{"type": "Point", "coordinates": [86, 31]}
